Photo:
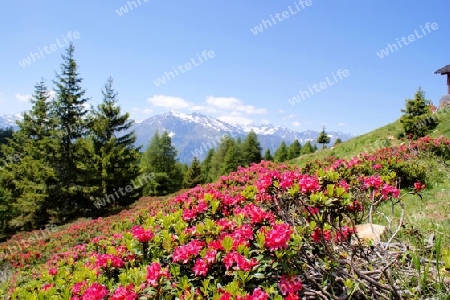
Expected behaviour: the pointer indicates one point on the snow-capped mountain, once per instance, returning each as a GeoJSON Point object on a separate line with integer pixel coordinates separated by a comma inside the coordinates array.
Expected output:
{"type": "Point", "coordinates": [194, 134]}
{"type": "Point", "coordinates": [10, 121]}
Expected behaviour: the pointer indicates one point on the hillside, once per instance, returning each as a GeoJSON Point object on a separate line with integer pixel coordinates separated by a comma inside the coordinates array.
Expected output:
{"type": "Point", "coordinates": [379, 138]}
{"type": "Point", "coordinates": [264, 231]}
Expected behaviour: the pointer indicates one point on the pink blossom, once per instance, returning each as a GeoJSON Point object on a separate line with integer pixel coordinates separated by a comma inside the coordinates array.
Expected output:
{"type": "Point", "coordinates": [200, 267]}
{"type": "Point", "coordinates": [278, 237]}
{"type": "Point", "coordinates": [290, 284]}
{"type": "Point", "coordinates": [141, 234]}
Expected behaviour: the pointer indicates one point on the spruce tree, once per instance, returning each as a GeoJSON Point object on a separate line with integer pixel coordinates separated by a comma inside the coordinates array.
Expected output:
{"type": "Point", "coordinates": [281, 154]}
{"type": "Point", "coordinates": [251, 149]}
{"type": "Point", "coordinates": [194, 175]}
{"type": "Point", "coordinates": [294, 150]}
{"type": "Point", "coordinates": [417, 118]}
{"type": "Point", "coordinates": [307, 148]}
{"type": "Point", "coordinates": [323, 138]}
{"type": "Point", "coordinates": [112, 156]}
{"type": "Point", "coordinates": [218, 158]}
{"type": "Point", "coordinates": [27, 174]}
{"type": "Point", "coordinates": [70, 116]}
{"type": "Point", "coordinates": [206, 166]}
{"type": "Point", "coordinates": [268, 156]}
{"type": "Point", "coordinates": [231, 162]}
{"type": "Point", "coordinates": [338, 141]}
{"type": "Point", "coordinates": [160, 159]}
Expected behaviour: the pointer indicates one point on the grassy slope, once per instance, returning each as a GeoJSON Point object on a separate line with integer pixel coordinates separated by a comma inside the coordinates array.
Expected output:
{"type": "Point", "coordinates": [432, 215]}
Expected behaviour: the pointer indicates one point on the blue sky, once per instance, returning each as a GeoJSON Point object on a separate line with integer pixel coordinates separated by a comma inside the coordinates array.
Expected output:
{"type": "Point", "coordinates": [242, 76]}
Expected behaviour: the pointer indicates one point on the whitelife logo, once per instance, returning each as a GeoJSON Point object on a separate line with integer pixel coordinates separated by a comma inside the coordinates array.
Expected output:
{"type": "Point", "coordinates": [391, 48]}
{"type": "Point", "coordinates": [69, 37]}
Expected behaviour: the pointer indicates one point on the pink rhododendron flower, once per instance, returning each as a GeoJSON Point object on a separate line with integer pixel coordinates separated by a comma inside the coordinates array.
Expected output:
{"type": "Point", "coordinates": [154, 273]}
{"type": "Point", "coordinates": [292, 297]}
{"type": "Point", "coordinates": [122, 293]}
{"type": "Point", "coordinates": [210, 256]}
{"type": "Point", "coordinates": [317, 234]}
{"type": "Point", "coordinates": [141, 234]}
{"type": "Point", "coordinates": [241, 262]}
{"type": "Point", "coordinates": [389, 190]}
{"type": "Point", "coordinates": [278, 237]}
{"type": "Point", "coordinates": [47, 286]}
{"type": "Point", "coordinates": [373, 182]}
{"type": "Point", "coordinates": [418, 186]}
{"type": "Point", "coordinates": [184, 252]}
{"type": "Point", "coordinates": [95, 292]}
{"type": "Point", "coordinates": [377, 166]}
{"type": "Point", "coordinates": [53, 271]}
{"type": "Point", "coordinates": [290, 284]}
{"type": "Point", "coordinates": [258, 294]}
{"type": "Point", "coordinates": [200, 267]}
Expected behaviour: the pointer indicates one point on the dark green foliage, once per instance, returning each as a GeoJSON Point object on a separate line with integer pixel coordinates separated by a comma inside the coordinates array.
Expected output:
{"type": "Point", "coordinates": [111, 155]}
{"type": "Point", "coordinates": [307, 148]}
{"type": "Point", "coordinates": [231, 161]}
{"type": "Point", "coordinates": [294, 150]}
{"type": "Point", "coordinates": [323, 138]}
{"type": "Point", "coordinates": [418, 119]}
{"type": "Point", "coordinates": [160, 158]}
{"type": "Point", "coordinates": [70, 116]}
{"type": "Point", "coordinates": [5, 134]}
{"type": "Point", "coordinates": [268, 156]}
{"type": "Point", "coordinates": [206, 166]}
{"type": "Point", "coordinates": [194, 175]}
{"type": "Point", "coordinates": [28, 175]}
{"type": "Point", "coordinates": [58, 162]}
{"type": "Point", "coordinates": [218, 158]}
{"type": "Point", "coordinates": [281, 154]}
{"type": "Point", "coordinates": [251, 150]}
{"type": "Point", "coordinates": [338, 141]}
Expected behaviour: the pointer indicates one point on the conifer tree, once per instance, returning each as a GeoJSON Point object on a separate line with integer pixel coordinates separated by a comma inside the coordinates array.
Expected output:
{"type": "Point", "coordinates": [281, 154]}
{"type": "Point", "coordinates": [338, 141]}
{"type": "Point", "coordinates": [323, 138]}
{"type": "Point", "coordinates": [251, 149]}
{"type": "Point", "coordinates": [218, 158]}
{"type": "Point", "coordinates": [307, 148]}
{"type": "Point", "coordinates": [194, 175]}
{"type": "Point", "coordinates": [206, 166]}
{"type": "Point", "coordinates": [231, 162]}
{"type": "Point", "coordinates": [160, 159]}
{"type": "Point", "coordinates": [294, 149]}
{"type": "Point", "coordinates": [417, 118]}
{"type": "Point", "coordinates": [27, 173]}
{"type": "Point", "coordinates": [70, 116]}
{"type": "Point", "coordinates": [112, 156]}
{"type": "Point", "coordinates": [268, 156]}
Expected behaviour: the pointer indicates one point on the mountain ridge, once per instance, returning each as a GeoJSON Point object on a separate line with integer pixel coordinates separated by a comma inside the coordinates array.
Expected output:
{"type": "Point", "coordinates": [194, 134]}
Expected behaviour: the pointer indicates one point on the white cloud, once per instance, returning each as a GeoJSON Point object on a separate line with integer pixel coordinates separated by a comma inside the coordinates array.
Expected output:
{"type": "Point", "coordinates": [250, 109]}
{"type": "Point", "coordinates": [341, 124]}
{"type": "Point", "coordinates": [281, 111]}
{"type": "Point", "coordinates": [296, 124]}
{"type": "Point", "coordinates": [265, 122]}
{"type": "Point", "coordinates": [289, 117]}
{"type": "Point", "coordinates": [206, 108]}
{"type": "Point", "coordinates": [168, 102]}
{"type": "Point", "coordinates": [234, 104]}
{"type": "Point", "coordinates": [223, 103]}
{"type": "Point", "coordinates": [23, 98]}
{"type": "Point", "coordinates": [147, 111]}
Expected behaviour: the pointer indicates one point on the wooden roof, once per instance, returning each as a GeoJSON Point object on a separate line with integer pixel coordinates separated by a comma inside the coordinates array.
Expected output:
{"type": "Point", "coordinates": [444, 70]}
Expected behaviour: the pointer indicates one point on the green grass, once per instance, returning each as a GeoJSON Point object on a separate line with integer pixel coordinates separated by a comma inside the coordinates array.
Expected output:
{"type": "Point", "coordinates": [379, 138]}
